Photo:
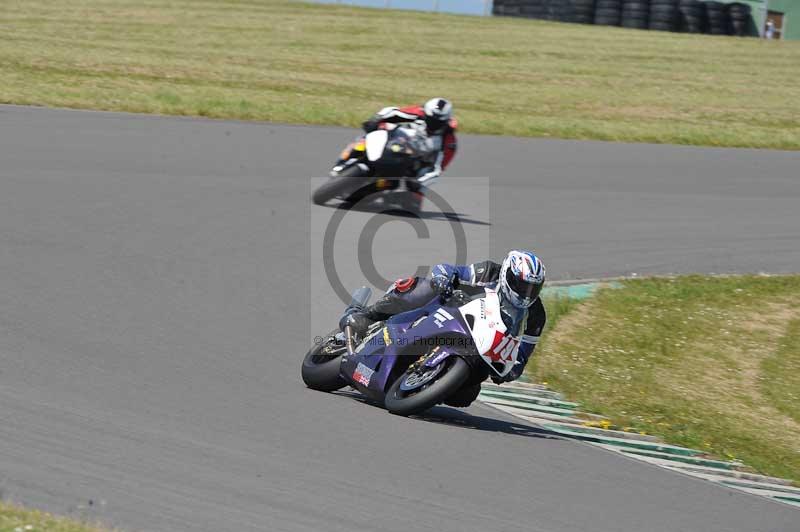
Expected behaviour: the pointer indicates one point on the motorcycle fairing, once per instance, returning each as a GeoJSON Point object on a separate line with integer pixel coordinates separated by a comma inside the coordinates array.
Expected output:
{"type": "Point", "coordinates": [402, 338]}
{"type": "Point", "coordinates": [494, 343]}
{"type": "Point", "coordinates": [376, 142]}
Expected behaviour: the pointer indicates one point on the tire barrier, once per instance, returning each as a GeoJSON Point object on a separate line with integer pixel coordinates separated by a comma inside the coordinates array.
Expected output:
{"type": "Point", "coordinates": [741, 20]}
{"type": "Point", "coordinates": [692, 16]}
{"type": "Point", "coordinates": [583, 11]}
{"type": "Point", "coordinates": [718, 20]}
{"type": "Point", "coordinates": [580, 11]}
{"type": "Point", "coordinates": [689, 16]}
{"type": "Point", "coordinates": [635, 14]}
{"type": "Point", "coordinates": [664, 15]}
{"type": "Point", "coordinates": [608, 12]}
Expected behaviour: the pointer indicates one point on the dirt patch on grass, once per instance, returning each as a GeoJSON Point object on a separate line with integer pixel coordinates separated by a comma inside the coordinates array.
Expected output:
{"type": "Point", "coordinates": [706, 362]}
{"type": "Point", "coordinates": [727, 371]}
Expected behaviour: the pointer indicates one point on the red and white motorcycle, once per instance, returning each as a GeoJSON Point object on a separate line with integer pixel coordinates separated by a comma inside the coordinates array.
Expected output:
{"type": "Point", "coordinates": [380, 161]}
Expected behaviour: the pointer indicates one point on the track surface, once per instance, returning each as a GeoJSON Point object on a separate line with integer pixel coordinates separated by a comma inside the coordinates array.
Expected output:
{"type": "Point", "coordinates": [151, 326]}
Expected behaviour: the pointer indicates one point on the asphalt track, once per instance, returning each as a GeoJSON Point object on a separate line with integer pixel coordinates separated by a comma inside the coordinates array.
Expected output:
{"type": "Point", "coordinates": [153, 312]}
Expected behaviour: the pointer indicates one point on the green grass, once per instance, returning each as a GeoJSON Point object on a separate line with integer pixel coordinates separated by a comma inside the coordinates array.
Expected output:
{"type": "Point", "coordinates": [16, 519]}
{"type": "Point", "coordinates": [710, 363]}
{"type": "Point", "coordinates": [293, 62]}
{"type": "Point", "coordinates": [556, 306]}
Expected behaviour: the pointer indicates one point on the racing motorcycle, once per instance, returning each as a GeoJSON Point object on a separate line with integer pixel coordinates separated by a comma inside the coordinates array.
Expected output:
{"type": "Point", "coordinates": [379, 162]}
{"type": "Point", "coordinates": [417, 359]}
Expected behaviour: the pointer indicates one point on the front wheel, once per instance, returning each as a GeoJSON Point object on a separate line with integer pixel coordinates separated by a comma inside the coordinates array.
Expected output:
{"type": "Point", "coordinates": [349, 180]}
{"type": "Point", "coordinates": [415, 392]}
{"type": "Point", "coordinates": [320, 369]}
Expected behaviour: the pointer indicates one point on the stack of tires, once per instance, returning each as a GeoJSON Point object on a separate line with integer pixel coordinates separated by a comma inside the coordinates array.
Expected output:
{"type": "Point", "coordinates": [558, 11]}
{"type": "Point", "coordinates": [533, 8]}
{"type": "Point", "coordinates": [664, 15]}
{"type": "Point", "coordinates": [740, 18]}
{"type": "Point", "coordinates": [693, 16]}
{"type": "Point", "coordinates": [635, 14]}
{"type": "Point", "coordinates": [541, 9]}
{"type": "Point", "coordinates": [508, 8]}
{"type": "Point", "coordinates": [583, 11]}
{"type": "Point", "coordinates": [718, 19]}
{"type": "Point", "coordinates": [502, 8]}
{"type": "Point", "coordinates": [608, 12]}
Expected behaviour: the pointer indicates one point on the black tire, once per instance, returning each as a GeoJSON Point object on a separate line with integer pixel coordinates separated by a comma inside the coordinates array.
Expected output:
{"type": "Point", "coordinates": [690, 11]}
{"type": "Point", "coordinates": [635, 14]}
{"type": "Point", "coordinates": [664, 19]}
{"type": "Point", "coordinates": [693, 25]}
{"type": "Point", "coordinates": [320, 371]}
{"type": "Point", "coordinates": [608, 13]}
{"type": "Point", "coordinates": [634, 23]}
{"type": "Point", "coordinates": [636, 6]}
{"type": "Point", "coordinates": [606, 21]}
{"type": "Point", "coordinates": [349, 180]}
{"type": "Point", "coordinates": [661, 26]}
{"type": "Point", "coordinates": [452, 377]}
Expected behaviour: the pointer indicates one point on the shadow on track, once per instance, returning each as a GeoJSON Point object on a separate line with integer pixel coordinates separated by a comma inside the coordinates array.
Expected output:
{"type": "Point", "coordinates": [380, 208]}
{"type": "Point", "coordinates": [454, 417]}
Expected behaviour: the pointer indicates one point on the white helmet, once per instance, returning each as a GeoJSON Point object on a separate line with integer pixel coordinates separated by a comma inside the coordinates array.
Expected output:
{"type": "Point", "coordinates": [438, 113]}
{"type": "Point", "coordinates": [521, 278]}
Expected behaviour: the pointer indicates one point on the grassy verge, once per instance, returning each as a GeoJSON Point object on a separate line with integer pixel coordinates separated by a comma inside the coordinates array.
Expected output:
{"type": "Point", "coordinates": [711, 363]}
{"type": "Point", "coordinates": [288, 61]}
{"type": "Point", "coordinates": [16, 519]}
{"type": "Point", "coordinates": [557, 306]}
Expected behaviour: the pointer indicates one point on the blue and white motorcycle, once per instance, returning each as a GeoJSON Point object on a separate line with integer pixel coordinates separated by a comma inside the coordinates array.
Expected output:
{"type": "Point", "coordinates": [420, 358]}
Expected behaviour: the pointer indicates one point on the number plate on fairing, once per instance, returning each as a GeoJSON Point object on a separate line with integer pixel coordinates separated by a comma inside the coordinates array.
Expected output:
{"type": "Point", "coordinates": [495, 345]}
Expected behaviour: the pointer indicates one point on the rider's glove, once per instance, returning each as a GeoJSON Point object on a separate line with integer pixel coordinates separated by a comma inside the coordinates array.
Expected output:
{"type": "Point", "coordinates": [350, 316]}
{"type": "Point", "coordinates": [441, 285]}
{"type": "Point", "coordinates": [358, 322]}
{"type": "Point", "coordinates": [429, 177]}
{"type": "Point", "coordinates": [344, 321]}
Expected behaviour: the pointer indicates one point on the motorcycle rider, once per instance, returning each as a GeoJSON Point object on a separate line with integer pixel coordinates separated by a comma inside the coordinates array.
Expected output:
{"type": "Point", "coordinates": [518, 281]}
{"type": "Point", "coordinates": [440, 125]}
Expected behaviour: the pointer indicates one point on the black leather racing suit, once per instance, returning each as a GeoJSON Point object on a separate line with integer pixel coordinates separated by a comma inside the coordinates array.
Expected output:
{"type": "Point", "coordinates": [409, 294]}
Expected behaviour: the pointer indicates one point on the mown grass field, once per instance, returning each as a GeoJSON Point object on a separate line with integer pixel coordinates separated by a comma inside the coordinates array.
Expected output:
{"type": "Point", "coordinates": [16, 519]}
{"type": "Point", "coordinates": [289, 61]}
{"type": "Point", "coordinates": [710, 363]}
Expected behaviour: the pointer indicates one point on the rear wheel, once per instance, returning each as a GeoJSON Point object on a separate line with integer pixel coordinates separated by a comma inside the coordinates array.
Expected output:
{"type": "Point", "coordinates": [320, 369]}
{"type": "Point", "coordinates": [416, 391]}
{"type": "Point", "coordinates": [347, 182]}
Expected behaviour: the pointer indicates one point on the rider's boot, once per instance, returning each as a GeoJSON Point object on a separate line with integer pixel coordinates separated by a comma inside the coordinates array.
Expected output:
{"type": "Point", "coordinates": [414, 196]}
{"type": "Point", "coordinates": [402, 296]}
